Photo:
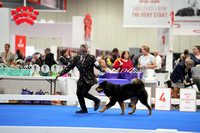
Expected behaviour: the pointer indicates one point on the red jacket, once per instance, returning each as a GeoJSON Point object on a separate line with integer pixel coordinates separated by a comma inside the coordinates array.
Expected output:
{"type": "Point", "coordinates": [126, 65]}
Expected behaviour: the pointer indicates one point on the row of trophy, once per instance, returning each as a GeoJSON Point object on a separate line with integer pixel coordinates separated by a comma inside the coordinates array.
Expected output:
{"type": "Point", "coordinates": [44, 70]}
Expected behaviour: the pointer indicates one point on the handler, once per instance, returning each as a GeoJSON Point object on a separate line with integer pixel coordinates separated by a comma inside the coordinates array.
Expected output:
{"type": "Point", "coordinates": [178, 77]}
{"type": "Point", "coordinates": [85, 64]}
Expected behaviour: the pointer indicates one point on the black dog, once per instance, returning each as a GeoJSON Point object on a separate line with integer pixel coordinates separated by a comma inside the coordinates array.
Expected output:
{"type": "Point", "coordinates": [119, 93]}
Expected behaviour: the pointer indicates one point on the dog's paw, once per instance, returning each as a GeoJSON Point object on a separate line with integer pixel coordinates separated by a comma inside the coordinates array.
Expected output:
{"type": "Point", "coordinates": [130, 113]}
{"type": "Point", "coordinates": [122, 113]}
{"type": "Point", "coordinates": [101, 110]}
{"type": "Point", "coordinates": [150, 112]}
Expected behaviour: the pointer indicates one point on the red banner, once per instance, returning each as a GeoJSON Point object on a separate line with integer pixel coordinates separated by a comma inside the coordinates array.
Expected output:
{"type": "Point", "coordinates": [35, 1]}
{"type": "Point", "coordinates": [20, 43]}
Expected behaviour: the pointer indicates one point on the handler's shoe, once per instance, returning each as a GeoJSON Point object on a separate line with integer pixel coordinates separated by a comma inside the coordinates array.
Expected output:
{"type": "Point", "coordinates": [82, 111]}
{"type": "Point", "coordinates": [96, 105]}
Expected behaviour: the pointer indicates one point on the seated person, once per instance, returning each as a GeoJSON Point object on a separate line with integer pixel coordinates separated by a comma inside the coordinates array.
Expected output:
{"type": "Point", "coordinates": [195, 56]}
{"type": "Point", "coordinates": [102, 63]}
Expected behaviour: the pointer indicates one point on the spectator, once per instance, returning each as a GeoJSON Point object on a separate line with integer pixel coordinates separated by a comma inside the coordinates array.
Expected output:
{"type": "Point", "coordinates": [49, 57]}
{"type": "Point", "coordinates": [1, 60]}
{"type": "Point", "coordinates": [65, 58]}
{"type": "Point", "coordinates": [108, 62]}
{"type": "Point", "coordinates": [158, 60]}
{"type": "Point", "coordinates": [116, 60]}
{"type": "Point", "coordinates": [124, 62]}
{"type": "Point", "coordinates": [179, 74]}
{"type": "Point", "coordinates": [147, 62]}
{"type": "Point", "coordinates": [195, 56]}
{"type": "Point", "coordinates": [115, 55]}
{"type": "Point", "coordinates": [8, 56]}
{"type": "Point", "coordinates": [40, 60]}
{"type": "Point", "coordinates": [137, 58]}
{"type": "Point", "coordinates": [133, 59]}
{"type": "Point", "coordinates": [28, 61]}
{"type": "Point", "coordinates": [183, 57]}
{"type": "Point", "coordinates": [20, 55]}
{"type": "Point", "coordinates": [196, 75]}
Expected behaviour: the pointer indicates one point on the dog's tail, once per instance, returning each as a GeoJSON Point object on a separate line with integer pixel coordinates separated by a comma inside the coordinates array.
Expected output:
{"type": "Point", "coordinates": [138, 82]}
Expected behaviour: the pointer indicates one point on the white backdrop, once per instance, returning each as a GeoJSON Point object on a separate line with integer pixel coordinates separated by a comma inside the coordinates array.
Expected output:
{"type": "Point", "coordinates": [4, 28]}
{"type": "Point", "coordinates": [146, 13]}
{"type": "Point", "coordinates": [45, 30]}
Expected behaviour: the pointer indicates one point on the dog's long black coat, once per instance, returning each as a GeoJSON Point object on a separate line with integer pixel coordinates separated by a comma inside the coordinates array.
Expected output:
{"type": "Point", "coordinates": [119, 93]}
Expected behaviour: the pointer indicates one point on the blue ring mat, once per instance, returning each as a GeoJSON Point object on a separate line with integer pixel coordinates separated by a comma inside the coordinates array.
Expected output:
{"type": "Point", "coordinates": [65, 116]}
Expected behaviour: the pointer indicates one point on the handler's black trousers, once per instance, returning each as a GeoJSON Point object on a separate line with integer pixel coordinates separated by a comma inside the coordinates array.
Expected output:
{"type": "Point", "coordinates": [82, 91]}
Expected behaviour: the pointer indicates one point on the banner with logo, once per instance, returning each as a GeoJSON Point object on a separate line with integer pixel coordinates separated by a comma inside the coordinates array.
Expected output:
{"type": "Point", "coordinates": [186, 13]}
{"type": "Point", "coordinates": [146, 13]}
{"type": "Point", "coordinates": [20, 43]}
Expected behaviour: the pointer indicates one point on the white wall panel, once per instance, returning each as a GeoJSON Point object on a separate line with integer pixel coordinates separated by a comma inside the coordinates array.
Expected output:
{"type": "Point", "coordinates": [132, 37]}
{"type": "Point", "coordinates": [71, 9]}
{"type": "Point", "coordinates": [61, 17]}
{"type": "Point", "coordinates": [42, 15]}
{"type": "Point", "coordinates": [195, 40]}
{"type": "Point", "coordinates": [92, 10]}
{"type": "Point", "coordinates": [30, 41]}
{"type": "Point", "coordinates": [152, 38]}
{"type": "Point", "coordinates": [40, 45]}
{"type": "Point", "coordinates": [184, 43]}
{"type": "Point", "coordinates": [142, 36]}
{"type": "Point", "coordinates": [5, 28]}
{"type": "Point", "coordinates": [122, 32]}
{"type": "Point", "coordinates": [176, 45]}
{"type": "Point", "coordinates": [112, 19]}
{"type": "Point", "coordinates": [101, 24]}
{"type": "Point", "coordinates": [50, 16]}
{"type": "Point", "coordinates": [82, 7]}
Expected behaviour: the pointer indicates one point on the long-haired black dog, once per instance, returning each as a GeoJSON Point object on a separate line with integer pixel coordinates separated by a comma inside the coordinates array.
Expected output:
{"type": "Point", "coordinates": [119, 93]}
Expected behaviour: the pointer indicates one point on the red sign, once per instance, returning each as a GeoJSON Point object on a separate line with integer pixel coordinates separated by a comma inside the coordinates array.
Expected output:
{"type": "Point", "coordinates": [20, 43]}
{"type": "Point", "coordinates": [35, 1]}
{"type": "Point", "coordinates": [88, 26]}
{"type": "Point", "coordinates": [24, 14]}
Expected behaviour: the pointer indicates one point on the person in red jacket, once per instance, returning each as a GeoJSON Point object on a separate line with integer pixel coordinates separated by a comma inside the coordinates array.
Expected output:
{"type": "Point", "coordinates": [124, 62]}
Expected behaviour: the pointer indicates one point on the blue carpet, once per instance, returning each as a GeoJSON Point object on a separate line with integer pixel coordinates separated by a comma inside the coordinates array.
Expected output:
{"type": "Point", "coordinates": [65, 116]}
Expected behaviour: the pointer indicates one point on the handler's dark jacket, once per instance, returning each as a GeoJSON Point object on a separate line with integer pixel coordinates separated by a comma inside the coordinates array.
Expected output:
{"type": "Point", "coordinates": [179, 73]}
{"type": "Point", "coordinates": [86, 69]}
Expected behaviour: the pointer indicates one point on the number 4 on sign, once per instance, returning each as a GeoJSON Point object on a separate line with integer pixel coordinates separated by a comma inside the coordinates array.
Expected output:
{"type": "Point", "coordinates": [162, 98]}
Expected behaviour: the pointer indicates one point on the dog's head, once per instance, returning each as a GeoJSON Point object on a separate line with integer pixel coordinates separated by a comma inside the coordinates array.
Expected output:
{"type": "Point", "coordinates": [101, 86]}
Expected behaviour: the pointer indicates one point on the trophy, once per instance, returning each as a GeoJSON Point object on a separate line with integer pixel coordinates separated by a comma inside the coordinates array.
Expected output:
{"type": "Point", "coordinates": [55, 70]}
{"type": "Point", "coordinates": [45, 70]}
{"type": "Point", "coordinates": [35, 70]}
